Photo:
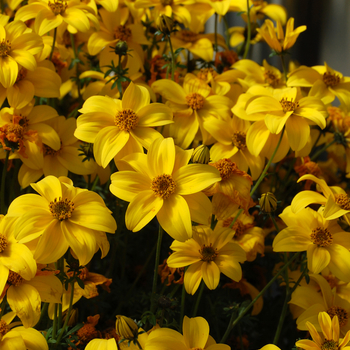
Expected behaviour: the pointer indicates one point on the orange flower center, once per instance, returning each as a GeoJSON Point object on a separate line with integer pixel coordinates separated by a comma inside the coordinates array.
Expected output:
{"type": "Point", "coordinates": [208, 253]}
{"type": "Point", "coordinates": [166, 2]}
{"type": "Point", "coordinates": [238, 227]}
{"type": "Point", "coordinates": [3, 328]}
{"type": "Point", "coordinates": [289, 106]}
{"type": "Point", "coordinates": [188, 36]}
{"type": "Point", "coordinates": [126, 120]}
{"type": "Point", "coordinates": [3, 243]}
{"type": "Point", "coordinates": [226, 168]}
{"type": "Point", "coordinates": [332, 281]}
{"type": "Point", "coordinates": [340, 312]}
{"type": "Point", "coordinates": [343, 201]}
{"type": "Point", "coordinates": [195, 101]}
{"type": "Point", "coordinates": [48, 151]}
{"type": "Point", "coordinates": [21, 74]}
{"type": "Point", "coordinates": [321, 237]}
{"type": "Point", "coordinates": [163, 186]}
{"type": "Point", "coordinates": [329, 345]}
{"type": "Point", "coordinates": [5, 48]}
{"type": "Point", "coordinates": [330, 79]}
{"type": "Point", "coordinates": [58, 7]}
{"type": "Point", "coordinates": [122, 33]}
{"type": "Point", "coordinates": [203, 73]}
{"type": "Point", "coordinates": [271, 78]}
{"type": "Point", "coordinates": [61, 209]}
{"type": "Point", "coordinates": [14, 279]}
{"type": "Point", "coordinates": [239, 140]}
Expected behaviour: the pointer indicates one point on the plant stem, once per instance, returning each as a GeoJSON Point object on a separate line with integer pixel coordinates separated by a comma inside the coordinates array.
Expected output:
{"type": "Point", "coordinates": [63, 329]}
{"type": "Point", "coordinates": [249, 34]}
{"type": "Point", "coordinates": [199, 297]}
{"type": "Point", "coordinates": [172, 59]}
{"type": "Point", "coordinates": [243, 313]}
{"type": "Point", "coordinates": [274, 222]}
{"type": "Point", "coordinates": [284, 68]}
{"type": "Point", "coordinates": [54, 326]}
{"type": "Point", "coordinates": [216, 33]}
{"type": "Point", "coordinates": [182, 309]}
{"type": "Point", "coordinates": [3, 181]}
{"type": "Point", "coordinates": [76, 63]}
{"type": "Point", "coordinates": [155, 274]}
{"type": "Point", "coordinates": [315, 156]}
{"type": "Point", "coordinates": [227, 40]}
{"type": "Point", "coordinates": [53, 44]}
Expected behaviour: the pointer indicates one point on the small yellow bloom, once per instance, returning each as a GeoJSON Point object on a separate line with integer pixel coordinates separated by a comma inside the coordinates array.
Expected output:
{"type": "Point", "coordinates": [126, 328]}
{"type": "Point", "coordinates": [208, 253]}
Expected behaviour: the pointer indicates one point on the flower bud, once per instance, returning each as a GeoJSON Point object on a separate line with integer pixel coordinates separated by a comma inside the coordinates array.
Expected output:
{"type": "Point", "coordinates": [126, 328]}
{"type": "Point", "coordinates": [268, 202]}
{"type": "Point", "coordinates": [165, 24]}
{"type": "Point", "coordinates": [121, 48]}
{"type": "Point", "coordinates": [201, 155]}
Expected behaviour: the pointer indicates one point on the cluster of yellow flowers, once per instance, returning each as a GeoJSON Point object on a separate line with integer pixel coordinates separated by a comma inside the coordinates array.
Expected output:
{"type": "Point", "coordinates": [126, 112]}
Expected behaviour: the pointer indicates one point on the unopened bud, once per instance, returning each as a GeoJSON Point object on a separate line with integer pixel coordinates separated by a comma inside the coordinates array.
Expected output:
{"type": "Point", "coordinates": [201, 155]}
{"type": "Point", "coordinates": [126, 328]}
{"type": "Point", "coordinates": [268, 202]}
{"type": "Point", "coordinates": [165, 24]}
{"type": "Point", "coordinates": [121, 48]}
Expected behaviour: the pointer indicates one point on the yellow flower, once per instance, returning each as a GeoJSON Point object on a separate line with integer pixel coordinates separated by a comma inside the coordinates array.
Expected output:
{"type": "Point", "coordinates": [311, 301]}
{"type": "Point", "coordinates": [330, 335]}
{"type": "Point", "coordinates": [126, 328]}
{"type": "Point", "coordinates": [19, 338]}
{"type": "Point", "coordinates": [334, 198]}
{"type": "Point", "coordinates": [48, 15]}
{"type": "Point", "coordinates": [207, 253]}
{"type": "Point", "coordinates": [18, 45]}
{"type": "Point", "coordinates": [117, 128]}
{"type": "Point", "coordinates": [25, 297]}
{"type": "Point", "coordinates": [231, 135]}
{"type": "Point", "coordinates": [280, 42]}
{"type": "Point", "coordinates": [324, 82]}
{"type": "Point", "coordinates": [62, 216]}
{"type": "Point", "coordinates": [102, 344]}
{"type": "Point", "coordinates": [327, 245]}
{"type": "Point", "coordinates": [162, 184]}
{"type": "Point", "coordinates": [281, 108]}
{"type": "Point", "coordinates": [191, 105]}
{"type": "Point", "coordinates": [14, 256]}
{"type": "Point", "coordinates": [195, 336]}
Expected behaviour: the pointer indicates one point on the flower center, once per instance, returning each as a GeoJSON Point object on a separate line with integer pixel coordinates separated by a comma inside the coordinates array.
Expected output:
{"type": "Point", "coordinates": [239, 140]}
{"type": "Point", "coordinates": [271, 78]}
{"type": "Point", "coordinates": [126, 120]}
{"type": "Point", "coordinates": [166, 2]}
{"type": "Point", "coordinates": [321, 237]}
{"type": "Point", "coordinates": [329, 345]}
{"type": "Point", "coordinates": [330, 79]}
{"type": "Point", "coordinates": [3, 243]}
{"type": "Point", "coordinates": [5, 48]}
{"type": "Point", "coordinates": [208, 253]}
{"type": "Point", "coordinates": [163, 186]}
{"type": "Point", "coordinates": [58, 7]}
{"type": "Point", "coordinates": [21, 74]}
{"type": "Point", "coordinates": [11, 136]}
{"type": "Point", "coordinates": [238, 227]}
{"type": "Point", "coordinates": [48, 151]}
{"type": "Point", "coordinates": [340, 312]}
{"type": "Point", "coordinates": [332, 281]}
{"type": "Point", "coordinates": [289, 106]}
{"type": "Point", "coordinates": [61, 209]}
{"type": "Point", "coordinates": [195, 101]}
{"type": "Point", "coordinates": [226, 168]}
{"type": "Point", "coordinates": [122, 33]}
{"type": "Point", "coordinates": [188, 36]}
{"type": "Point", "coordinates": [14, 279]}
{"type": "Point", "coordinates": [203, 73]}
{"type": "Point", "coordinates": [3, 328]}
{"type": "Point", "coordinates": [343, 201]}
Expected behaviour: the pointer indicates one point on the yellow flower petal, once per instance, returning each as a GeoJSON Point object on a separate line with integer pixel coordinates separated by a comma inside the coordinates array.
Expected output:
{"type": "Point", "coordinates": [210, 274]}
{"type": "Point", "coordinates": [193, 277]}
{"type": "Point", "coordinates": [195, 332]}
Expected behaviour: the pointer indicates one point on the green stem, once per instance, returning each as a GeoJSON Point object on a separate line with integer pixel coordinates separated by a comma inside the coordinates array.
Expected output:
{"type": "Point", "coordinates": [274, 222]}
{"type": "Point", "coordinates": [63, 329]}
{"type": "Point", "coordinates": [236, 217]}
{"type": "Point", "coordinates": [138, 344]}
{"type": "Point", "coordinates": [315, 156]}
{"type": "Point", "coordinates": [249, 34]}
{"type": "Point", "coordinates": [227, 40]}
{"type": "Point", "coordinates": [182, 308]}
{"type": "Point", "coordinates": [94, 183]}
{"type": "Point", "coordinates": [53, 44]}
{"type": "Point", "coordinates": [54, 326]}
{"type": "Point", "coordinates": [172, 59]}
{"type": "Point", "coordinates": [3, 181]}
{"type": "Point", "coordinates": [284, 68]}
{"type": "Point", "coordinates": [251, 304]}
{"type": "Point", "coordinates": [216, 33]}
{"type": "Point", "coordinates": [262, 176]}
{"type": "Point", "coordinates": [155, 274]}
{"type": "Point", "coordinates": [76, 64]}
{"type": "Point", "coordinates": [43, 314]}
{"type": "Point", "coordinates": [199, 297]}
